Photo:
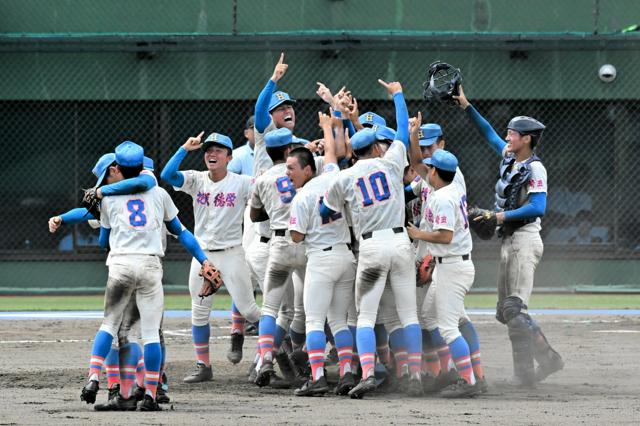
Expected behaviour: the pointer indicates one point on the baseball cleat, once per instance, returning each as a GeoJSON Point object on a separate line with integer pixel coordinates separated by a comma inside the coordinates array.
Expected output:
{"type": "Point", "coordinates": [345, 384]}
{"type": "Point", "coordinates": [203, 373]}
{"type": "Point", "coordinates": [113, 392]}
{"type": "Point", "coordinates": [332, 357]}
{"type": "Point", "coordinates": [554, 365]}
{"type": "Point", "coordinates": [461, 389]}
{"type": "Point", "coordinates": [311, 388]}
{"type": "Point", "coordinates": [89, 392]}
{"type": "Point", "coordinates": [253, 373]}
{"type": "Point", "coordinates": [265, 373]}
{"type": "Point", "coordinates": [414, 387]}
{"type": "Point", "coordinates": [446, 379]}
{"type": "Point", "coordinates": [365, 386]}
{"type": "Point", "coordinates": [429, 384]}
{"type": "Point", "coordinates": [277, 382]}
{"type": "Point", "coordinates": [118, 403]}
{"type": "Point", "coordinates": [149, 404]}
{"type": "Point", "coordinates": [482, 385]}
{"type": "Point", "coordinates": [139, 392]}
{"type": "Point", "coordinates": [234, 355]}
{"type": "Point", "coordinates": [251, 330]}
{"type": "Point", "coordinates": [161, 396]}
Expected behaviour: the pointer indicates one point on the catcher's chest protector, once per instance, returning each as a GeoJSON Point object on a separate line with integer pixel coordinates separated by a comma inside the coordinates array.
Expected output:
{"type": "Point", "coordinates": [512, 182]}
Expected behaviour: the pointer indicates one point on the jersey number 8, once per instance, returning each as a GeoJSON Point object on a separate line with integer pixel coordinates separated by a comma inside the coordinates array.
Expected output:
{"type": "Point", "coordinates": [137, 216]}
{"type": "Point", "coordinates": [379, 186]}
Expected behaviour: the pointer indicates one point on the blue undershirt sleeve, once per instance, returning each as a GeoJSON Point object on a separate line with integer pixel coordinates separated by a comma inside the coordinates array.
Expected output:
{"type": "Point", "coordinates": [170, 173]}
{"type": "Point", "coordinates": [186, 238]}
{"type": "Point", "coordinates": [535, 208]}
{"type": "Point", "coordinates": [402, 119]}
{"type": "Point", "coordinates": [103, 240]}
{"type": "Point", "coordinates": [141, 183]}
{"type": "Point", "coordinates": [496, 142]}
{"type": "Point", "coordinates": [325, 211]}
{"type": "Point", "coordinates": [78, 215]}
{"type": "Point", "coordinates": [262, 107]}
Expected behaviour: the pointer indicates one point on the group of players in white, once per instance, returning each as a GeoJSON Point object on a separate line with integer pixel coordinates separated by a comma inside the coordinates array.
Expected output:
{"type": "Point", "coordinates": [334, 232]}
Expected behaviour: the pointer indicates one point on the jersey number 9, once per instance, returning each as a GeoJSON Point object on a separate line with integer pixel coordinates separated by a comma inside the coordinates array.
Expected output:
{"type": "Point", "coordinates": [286, 189]}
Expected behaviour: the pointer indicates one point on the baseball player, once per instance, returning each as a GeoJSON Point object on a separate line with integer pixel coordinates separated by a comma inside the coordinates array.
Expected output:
{"type": "Point", "coordinates": [446, 232]}
{"type": "Point", "coordinates": [131, 225]}
{"type": "Point", "coordinates": [328, 291]}
{"type": "Point", "coordinates": [219, 201]}
{"type": "Point", "coordinates": [373, 191]}
{"type": "Point", "coordinates": [521, 198]}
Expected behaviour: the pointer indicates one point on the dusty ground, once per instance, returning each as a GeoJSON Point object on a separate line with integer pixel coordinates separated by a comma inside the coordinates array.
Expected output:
{"type": "Point", "coordinates": [41, 378]}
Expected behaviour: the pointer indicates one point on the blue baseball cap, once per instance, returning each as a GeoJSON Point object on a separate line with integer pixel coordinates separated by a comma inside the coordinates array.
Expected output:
{"type": "Point", "coordinates": [129, 154]}
{"type": "Point", "coordinates": [217, 139]}
{"type": "Point", "coordinates": [443, 160]}
{"type": "Point", "coordinates": [279, 98]}
{"type": "Point", "coordinates": [278, 137]}
{"type": "Point", "coordinates": [101, 167]}
{"type": "Point", "coordinates": [384, 133]}
{"type": "Point", "coordinates": [363, 138]}
{"type": "Point", "coordinates": [147, 163]}
{"type": "Point", "coordinates": [371, 118]}
{"type": "Point", "coordinates": [301, 141]}
{"type": "Point", "coordinates": [429, 134]}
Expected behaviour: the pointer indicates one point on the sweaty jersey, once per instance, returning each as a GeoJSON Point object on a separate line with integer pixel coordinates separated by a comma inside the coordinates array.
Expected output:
{"type": "Point", "coordinates": [447, 209]}
{"type": "Point", "coordinates": [218, 207]}
{"type": "Point", "coordinates": [373, 191]}
{"type": "Point", "coordinates": [305, 214]}
{"type": "Point", "coordinates": [136, 221]}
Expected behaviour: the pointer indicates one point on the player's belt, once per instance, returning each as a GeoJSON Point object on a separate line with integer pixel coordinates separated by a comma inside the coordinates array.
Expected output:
{"type": "Point", "coordinates": [452, 258]}
{"type": "Point", "coordinates": [396, 230]}
{"type": "Point", "coordinates": [280, 232]}
{"type": "Point", "coordinates": [265, 239]}
{"type": "Point", "coordinates": [331, 247]}
{"type": "Point", "coordinates": [222, 249]}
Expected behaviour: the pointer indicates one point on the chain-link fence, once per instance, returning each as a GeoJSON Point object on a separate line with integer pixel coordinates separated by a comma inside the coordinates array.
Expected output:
{"type": "Point", "coordinates": [63, 107]}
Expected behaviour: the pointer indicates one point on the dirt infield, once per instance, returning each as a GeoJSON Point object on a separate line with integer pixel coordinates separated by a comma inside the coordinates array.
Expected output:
{"type": "Point", "coordinates": [43, 365]}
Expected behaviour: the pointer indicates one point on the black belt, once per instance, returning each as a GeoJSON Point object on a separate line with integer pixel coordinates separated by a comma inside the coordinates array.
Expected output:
{"type": "Point", "coordinates": [280, 232]}
{"type": "Point", "coordinates": [396, 230]}
{"type": "Point", "coordinates": [464, 257]}
{"type": "Point", "coordinates": [331, 247]}
{"type": "Point", "coordinates": [265, 239]}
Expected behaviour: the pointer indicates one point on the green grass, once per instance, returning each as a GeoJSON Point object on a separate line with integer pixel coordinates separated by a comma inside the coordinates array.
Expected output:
{"type": "Point", "coordinates": [223, 302]}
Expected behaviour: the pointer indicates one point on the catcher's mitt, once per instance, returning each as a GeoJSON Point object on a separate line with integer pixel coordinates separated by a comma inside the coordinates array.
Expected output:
{"type": "Point", "coordinates": [443, 81]}
{"type": "Point", "coordinates": [424, 270]}
{"type": "Point", "coordinates": [91, 202]}
{"type": "Point", "coordinates": [211, 280]}
{"type": "Point", "coordinates": [483, 222]}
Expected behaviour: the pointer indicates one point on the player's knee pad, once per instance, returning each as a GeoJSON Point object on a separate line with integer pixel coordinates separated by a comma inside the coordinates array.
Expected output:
{"type": "Point", "coordinates": [520, 328]}
{"type": "Point", "coordinates": [200, 315]}
{"type": "Point", "coordinates": [512, 306]}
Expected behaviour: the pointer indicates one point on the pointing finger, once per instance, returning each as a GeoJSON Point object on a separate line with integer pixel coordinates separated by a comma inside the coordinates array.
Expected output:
{"type": "Point", "coordinates": [281, 61]}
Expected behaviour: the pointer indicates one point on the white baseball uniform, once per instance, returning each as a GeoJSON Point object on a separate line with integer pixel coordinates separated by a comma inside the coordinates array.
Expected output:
{"type": "Point", "coordinates": [218, 208]}
{"type": "Point", "coordinates": [331, 266]}
{"type": "Point", "coordinates": [454, 272]}
{"type": "Point", "coordinates": [374, 193]}
{"type": "Point", "coordinates": [136, 222]}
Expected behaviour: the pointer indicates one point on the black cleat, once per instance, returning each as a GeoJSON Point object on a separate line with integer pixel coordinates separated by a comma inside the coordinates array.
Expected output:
{"type": "Point", "coordinates": [251, 330]}
{"type": "Point", "coordinates": [89, 392]}
{"type": "Point", "coordinates": [113, 392]}
{"type": "Point", "coordinates": [460, 389]}
{"type": "Point", "coordinates": [365, 386]}
{"type": "Point", "coordinates": [234, 355]}
{"type": "Point", "coordinates": [311, 388]}
{"type": "Point", "coordinates": [277, 382]}
{"type": "Point", "coordinates": [139, 392]}
{"type": "Point", "coordinates": [446, 379]}
{"type": "Point", "coordinates": [202, 374]}
{"type": "Point", "coordinates": [253, 373]}
{"type": "Point", "coordinates": [345, 384]}
{"type": "Point", "coordinates": [265, 373]}
{"type": "Point", "coordinates": [118, 403]}
{"type": "Point", "coordinates": [149, 404]}
{"type": "Point", "coordinates": [161, 396]}
{"type": "Point", "coordinates": [332, 357]}
{"type": "Point", "coordinates": [552, 365]}
{"type": "Point", "coordinates": [482, 385]}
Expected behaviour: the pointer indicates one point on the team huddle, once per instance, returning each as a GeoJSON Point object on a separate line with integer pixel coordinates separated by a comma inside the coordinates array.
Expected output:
{"type": "Point", "coordinates": [360, 242]}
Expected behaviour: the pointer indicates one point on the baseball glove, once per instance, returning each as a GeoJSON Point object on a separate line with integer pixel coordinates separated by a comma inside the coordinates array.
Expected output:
{"type": "Point", "coordinates": [483, 222]}
{"type": "Point", "coordinates": [425, 271]}
{"type": "Point", "coordinates": [211, 280]}
{"type": "Point", "coordinates": [91, 202]}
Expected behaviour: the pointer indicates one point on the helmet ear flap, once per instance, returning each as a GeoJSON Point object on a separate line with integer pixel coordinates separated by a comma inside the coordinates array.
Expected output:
{"type": "Point", "coordinates": [443, 82]}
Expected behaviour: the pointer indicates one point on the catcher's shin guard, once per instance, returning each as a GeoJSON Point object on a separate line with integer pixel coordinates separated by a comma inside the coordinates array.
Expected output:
{"type": "Point", "coordinates": [521, 336]}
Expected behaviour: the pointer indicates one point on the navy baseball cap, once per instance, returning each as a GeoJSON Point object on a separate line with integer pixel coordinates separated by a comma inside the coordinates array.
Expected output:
{"type": "Point", "coordinates": [429, 134]}
{"type": "Point", "coordinates": [363, 138]}
{"type": "Point", "coordinates": [129, 154]}
{"type": "Point", "coordinates": [384, 133]}
{"type": "Point", "coordinates": [443, 160]}
{"type": "Point", "coordinates": [217, 139]}
{"type": "Point", "coordinates": [278, 137]}
{"type": "Point", "coordinates": [147, 163]}
{"type": "Point", "coordinates": [101, 167]}
{"type": "Point", "coordinates": [279, 98]}
{"type": "Point", "coordinates": [371, 118]}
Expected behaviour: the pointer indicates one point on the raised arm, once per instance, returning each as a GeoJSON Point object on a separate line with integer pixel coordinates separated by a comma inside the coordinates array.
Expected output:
{"type": "Point", "coordinates": [170, 173]}
{"type": "Point", "coordinates": [325, 123]}
{"type": "Point", "coordinates": [415, 155]}
{"type": "Point", "coordinates": [402, 115]}
{"type": "Point", "coordinates": [488, 132]}
{"type": "Point", "coordinates": [262, 104]}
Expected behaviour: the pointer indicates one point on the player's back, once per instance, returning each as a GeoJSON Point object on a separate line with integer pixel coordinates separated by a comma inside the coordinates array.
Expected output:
{"type": "Point", "coordinates": [276, 191]}
{"type": "Point", "coordinates": [136, 221]}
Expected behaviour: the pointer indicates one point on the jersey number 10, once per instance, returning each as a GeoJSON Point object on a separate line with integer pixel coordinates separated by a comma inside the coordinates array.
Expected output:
{"type": "Point", "coordinates": [377, 184]}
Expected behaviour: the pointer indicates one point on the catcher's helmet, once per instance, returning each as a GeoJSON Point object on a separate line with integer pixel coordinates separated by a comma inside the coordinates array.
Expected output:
{"type": "Point", "coordinates": [526, 125]}
{"type": "Point", "coordinates": [442, 82]}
